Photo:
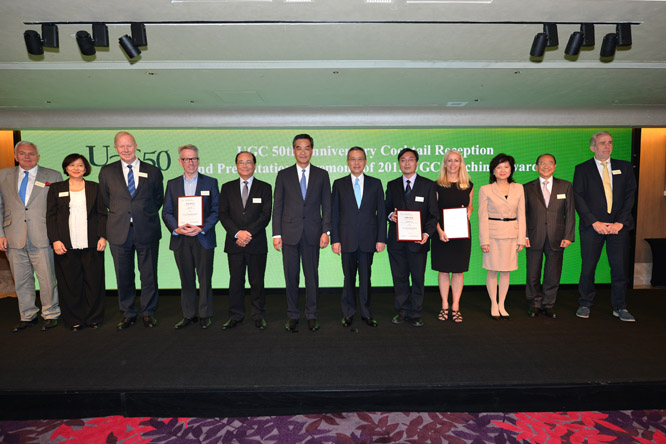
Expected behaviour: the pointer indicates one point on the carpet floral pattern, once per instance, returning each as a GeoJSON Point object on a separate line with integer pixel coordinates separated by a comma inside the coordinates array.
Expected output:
{"type": "Point", "coordinates": [636, 426]}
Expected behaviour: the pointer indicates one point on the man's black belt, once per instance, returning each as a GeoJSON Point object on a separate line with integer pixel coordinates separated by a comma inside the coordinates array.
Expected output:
{"type": "Point", "coordinates": [502, 218]}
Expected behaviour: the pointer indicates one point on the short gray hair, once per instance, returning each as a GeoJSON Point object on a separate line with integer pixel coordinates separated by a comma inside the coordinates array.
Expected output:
{"type": "Point", "coordinates": [24, 142]}
{"type": "Point", "coordinates": [593, 140]}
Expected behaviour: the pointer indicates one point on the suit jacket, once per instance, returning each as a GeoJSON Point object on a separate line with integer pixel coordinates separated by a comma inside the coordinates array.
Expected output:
{"type": "Point", "coordinates": [206, 187]}
{"type": "Point", "coordinates": [253, 218]}
{"type": "Point", "coordinates": [492, 203]}
{"type": "Point", "coordinates": [424, 190]}
{"type": "Point", "coordinates": [57, 214]}
{"type": "Point", "coordinates": [294, 217]}
{"type": "Point", "coordinates": [558, 221]}
{"type": "Point", "coordinates": [19, 220]}
{"type": "Point", "coordinates": [358, 228]}
{"type": "Point", "coordinates": [143, 208]}
{"type": "Point", "coordinates": [590, 198]}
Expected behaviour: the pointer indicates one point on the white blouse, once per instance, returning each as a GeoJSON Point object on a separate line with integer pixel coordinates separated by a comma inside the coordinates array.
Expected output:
{"type": "Point", "coordinates": [78, 219]}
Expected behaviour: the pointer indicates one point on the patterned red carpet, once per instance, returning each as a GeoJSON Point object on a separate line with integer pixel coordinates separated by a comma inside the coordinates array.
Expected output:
{"type": "Point", "coordinates": [637, 426]}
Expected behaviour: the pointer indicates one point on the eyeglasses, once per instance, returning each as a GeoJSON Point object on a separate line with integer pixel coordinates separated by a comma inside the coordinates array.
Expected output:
{"type": "Point", "coordinates": [546, 163]}
{"type": "Point", "coordinates": [189, 159]}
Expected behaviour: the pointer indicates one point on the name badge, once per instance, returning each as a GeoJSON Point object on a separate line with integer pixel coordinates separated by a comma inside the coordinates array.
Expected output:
{"type": "Point", "coordinates": [205, 193]}
{"type": "Point", "coordinates": [256, 200]}
{"type": "Point", "coordinates": [142, 174]}
{"type": "Point", "coordinates": [63, 194]}
{"type": "Point", "coordinates": [561, 196]}
{"type": "Point", "coordinates": [419, 199]}
{"type": "Point", "coordinates": [616, 172]}
{"type": "Point", "coordinates": [39, 184]}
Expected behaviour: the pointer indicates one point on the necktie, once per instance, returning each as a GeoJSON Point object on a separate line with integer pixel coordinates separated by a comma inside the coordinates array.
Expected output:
{"type": "Point", "coordinates": [130, 181]}
{"type": "Point", "coordinates": [357, 192]}
{"type": "Point", "coordinates": [304, 186]}
{"type": "Point", "coordinates": [245, 193]}
{"type": "Point", "coordinates": [24, 187]}
{"type": "Point", "coordinates": [408, 190]}
{"type": "Point", "coordinates": [608, 189]}
{"type": "Point", "coordinates": [546, 193]}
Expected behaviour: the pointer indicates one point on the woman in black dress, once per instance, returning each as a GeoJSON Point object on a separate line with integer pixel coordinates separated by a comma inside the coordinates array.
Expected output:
{"type": "Point", "coordinates": [451, 256]}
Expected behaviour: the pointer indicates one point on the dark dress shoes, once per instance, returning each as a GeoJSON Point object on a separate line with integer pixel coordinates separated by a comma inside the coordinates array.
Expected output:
{"type": "Point", "coordinates": [125, 323]}
{"type": "Point", "coordinates": [260, 324]}
{"type": "Point", "coordinates": [185, 322]}
{"type": "Point", "coordinates": [549, 312]}
{"type": "Point", "coordinates": [23, 325]}
{"type": "Point", "coordinates": [231, 323]}
{"type": "Point", "coordinates": [95, 325]}
{"type": "Point", "coordinates": [291, 325]}
{"type": "Point", "coordinates": [346, 322]}
{"type": "Point", "coordinates": [416, 322]}
{"type": "Point", "coordinates": [149, 321]}
{"type": "Point", "coordinates": [372, 322]}
{"type": "Point", "coordinates": [313, 325]}
{"type": "Point", "coordinates": [77, 327]}
{"type": "Point", "coordinates": [49, 323]}
{"type": "Point", "coordinates": [533, 312]}
{"type": "Point", "coordinates": [205, 323]}
{"type": "Point", "coordinates": [398, 319]}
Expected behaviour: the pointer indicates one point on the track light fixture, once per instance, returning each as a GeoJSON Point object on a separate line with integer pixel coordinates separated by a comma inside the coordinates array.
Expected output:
{"type": "Point", "coordinates": [35, 43]}
{"type": "Point", "coordinates": [544, 39]}
{"type": "Point", "coordinates": [584, 37]}
{"type": "Point", "coordinates": [621, 38]}
{"type": "Point", "coordinates": [131, 44]}
{"type": "Point", "coordinates": [100, 38]}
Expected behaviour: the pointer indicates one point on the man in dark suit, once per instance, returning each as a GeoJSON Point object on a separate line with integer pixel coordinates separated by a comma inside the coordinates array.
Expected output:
{"type": "Point", "coordinates": [133, 192]}
{"type": "Point", "coordinates": [604, 192]}
{"type": "Point", "coordinates": [551, 224]}
{"type": "Point", "coordinates": [410, 192]}
{"type": "Point", "coordinates": [358, 229]}
{"type": "Point", "coordinates": [193, 244]}
{"type": "Point", "coordinates": [245, 211]}
{"type": "Point", "coordinates": [23, 191]}
{"type": "Point", "coordinates": [301, 226]}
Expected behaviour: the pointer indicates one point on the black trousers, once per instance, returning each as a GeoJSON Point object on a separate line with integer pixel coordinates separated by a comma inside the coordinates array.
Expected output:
{"type": "Point", "coordinates": [291, 262]}
{"type": "Point", "coordinates": [405, 263]}
{"type": "Point", "coordinates": [543, 295]}
{"type": "Point", "coordinates": [361, 262]}
{"type": "Point", "coordinates": [195, 262]}
{"type": "Point", "coordinates": [255, 264]}
{"type": "Point", "coordinates": [81, 288]}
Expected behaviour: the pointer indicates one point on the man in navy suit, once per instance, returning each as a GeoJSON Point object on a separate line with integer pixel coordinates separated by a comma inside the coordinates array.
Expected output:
{"type": "Point", "coordinates": [410, 192]}
{"type": "Point", "coordinates": [301, 227]}
{"type": "Point", "coordinates": [604, 192]}
{"type": "Point", "coordinates": [245, 211]}
{"type": "Point", "coordinates": [193, 245]}
{"type": "Point", "coordinates": [551, 225]}
{"type": "Point", "coordinates": [133, 192]}
{"type": "Point", "coordinates": [358, 229]}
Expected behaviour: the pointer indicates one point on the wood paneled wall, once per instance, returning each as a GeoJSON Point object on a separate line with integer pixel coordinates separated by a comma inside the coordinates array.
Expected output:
{"type": "Point", "coordinates": [651, 217]}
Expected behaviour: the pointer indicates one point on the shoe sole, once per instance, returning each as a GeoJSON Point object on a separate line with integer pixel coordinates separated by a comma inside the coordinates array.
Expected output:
{"type": "Point", "coordinates": [617, 315]}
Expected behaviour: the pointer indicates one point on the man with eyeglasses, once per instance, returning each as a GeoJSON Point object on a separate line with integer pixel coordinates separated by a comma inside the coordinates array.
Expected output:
{"type": "Point", "coordinates": [133, 192]}
{"type": "Point", "coordinates": [551, 224]}
{"type": "Point", "coordinates": [193, 242]}
{"type": "Point", "coordinates": [245, 211]}
{"type": "Point", "coordinates": [23, 191]}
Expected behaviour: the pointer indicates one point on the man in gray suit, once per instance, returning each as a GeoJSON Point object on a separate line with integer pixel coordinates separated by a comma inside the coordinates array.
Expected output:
{"type": "Point", "coordinates": [23, 191]}
{"type": "Point", "coordinates": [551, 223]}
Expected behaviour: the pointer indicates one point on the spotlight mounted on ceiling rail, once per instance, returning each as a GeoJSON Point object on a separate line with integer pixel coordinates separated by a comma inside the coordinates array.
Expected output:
{"type": "Point", "coordinates": [131, 44]}
{"type": "Point", "coordinates": [99, 39]}
{"type": "Point", "coordinates": [578, 39]}
{"type": "Point", "coordinates": [583, 38]}
{"type": "Point", "coordinates": [620, 39]}
{"type": "Point", "coordinates": [35, 43]}
{"type": "Point", "coordinates": [546, 39]}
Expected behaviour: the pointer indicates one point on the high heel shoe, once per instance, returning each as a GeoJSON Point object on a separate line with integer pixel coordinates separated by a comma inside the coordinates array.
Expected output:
{"type": "Point", "coordinates": [506, 317]}
{"type": "Point", "coordinates": [496, 317]}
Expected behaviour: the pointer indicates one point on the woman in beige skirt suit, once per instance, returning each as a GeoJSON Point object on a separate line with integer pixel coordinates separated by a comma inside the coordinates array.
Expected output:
{"type": "Point", "coordinates": [501, 230]}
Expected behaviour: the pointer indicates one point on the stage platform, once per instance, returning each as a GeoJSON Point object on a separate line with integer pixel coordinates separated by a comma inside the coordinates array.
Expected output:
{"type": "Point", "coordinates": [481, 364]}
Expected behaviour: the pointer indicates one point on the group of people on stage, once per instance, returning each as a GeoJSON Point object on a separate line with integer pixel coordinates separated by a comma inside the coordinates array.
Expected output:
{"type": "Point", "coordinates": [76, 219]}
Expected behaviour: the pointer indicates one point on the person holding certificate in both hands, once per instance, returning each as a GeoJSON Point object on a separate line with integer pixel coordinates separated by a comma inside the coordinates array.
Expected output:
{"type": "Point", "coordinates": [414, 197]}
{"type": "Point", "coordinates": [451, 250]}
{"type": "Point", "coordinates": [501, 230]}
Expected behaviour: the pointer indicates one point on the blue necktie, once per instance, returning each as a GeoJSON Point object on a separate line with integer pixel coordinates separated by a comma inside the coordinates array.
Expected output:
{"type": "Point", "coordinates": [408, 190]}
{"type": "Point", "coordinates": [304, 187]}
{"type": "Point", "coordinates": [130, 181]}
{"type": "Point", "coordinates": [24, 187]}
{"type": "Point", "coordinates": [357, 192]}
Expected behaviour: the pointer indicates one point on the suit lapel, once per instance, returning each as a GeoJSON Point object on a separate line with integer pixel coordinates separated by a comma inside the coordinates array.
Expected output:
{"type": "Point", "coordinates": [36, 189]}
{"type": "Point", "coordinates": [14, 182]}
{"type": "Point", "coordinates": [121, 177]}
{"type": "Point", "coordinates": [536, 189]}
{"type": "Point", "coordinates": [90, 197]}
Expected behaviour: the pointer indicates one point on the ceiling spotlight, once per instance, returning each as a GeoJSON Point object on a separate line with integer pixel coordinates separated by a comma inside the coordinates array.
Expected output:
{"type": "Point", "coordinates": [100, 38]}
{"type": "Point", "coordinates": [544, 39]}
{"type": "Point", "coordinates": [131, 44]}
{"type": "Point", "coordinates": [588, 34]}
{"type": "Point", "coordinates": [34, 42]}
{"type": "Point", "coordinates": [608, 45]}
{"type": "Point", "coordinates": [584, 37]}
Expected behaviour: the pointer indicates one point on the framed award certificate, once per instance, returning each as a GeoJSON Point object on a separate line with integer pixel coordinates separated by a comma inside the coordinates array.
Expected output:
{"type": "Point", "coordinates": [190, 210]}
{"type": "Point", "coordinates": [454, 223]}
{"type": "Point", "coordinates": [409, 226]}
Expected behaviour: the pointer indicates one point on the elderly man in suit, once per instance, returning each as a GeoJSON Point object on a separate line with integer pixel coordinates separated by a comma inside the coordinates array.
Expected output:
{"type": "Point", "coordinates": [410, 192]}
{"type": "Point", "coordinates": [245, 211]}
{"type": "Point", "coordinates": [193, 244]}
{"type": "Point", "coordinates": [551, 224]}
{"type": "Point", "coordinates": [604, 192]}
{"type": "Point", "coordinates": [358, 229]}
{"type": "Point", "coordinates": [301, 227]}
{"type": "Point", "coordinates": [23, 191]}
{"type": "Point", "coordinates": [133, 192]}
